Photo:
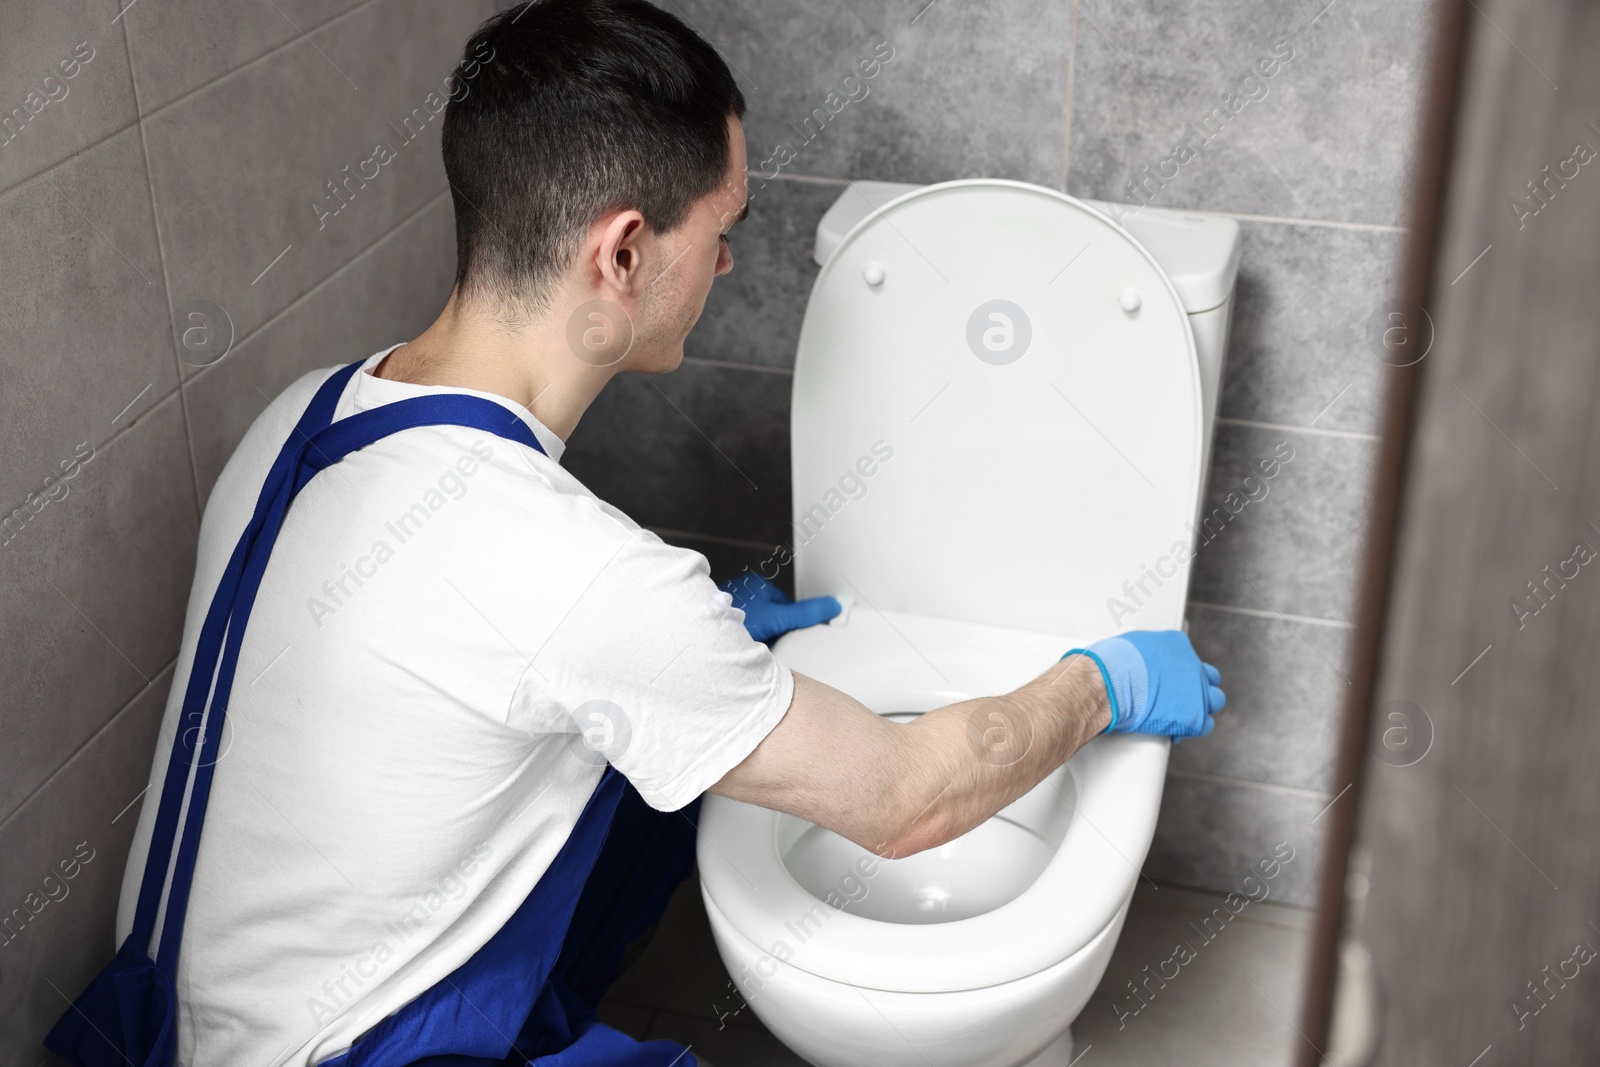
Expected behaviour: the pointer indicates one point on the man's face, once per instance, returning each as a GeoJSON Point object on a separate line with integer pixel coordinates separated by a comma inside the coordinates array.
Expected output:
{"type": "Point", "coordinates": [691, 257]}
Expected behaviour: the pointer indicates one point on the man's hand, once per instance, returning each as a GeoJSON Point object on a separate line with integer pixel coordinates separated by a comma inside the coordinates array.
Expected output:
{"type": "Point", "coordinates": [768, 613]}
{"type": "Point", "coordinates": [1158, 685]}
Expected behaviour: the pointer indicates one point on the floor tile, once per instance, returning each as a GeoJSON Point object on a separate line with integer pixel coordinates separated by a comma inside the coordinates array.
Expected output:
{"type": "Point", "coordinates": [1204, 1014]}
{"type": "Point", "coordinates": [630, 1019]}
{"type": "Point", "coordinates": [680, 970]}
{"type": "Point", "coordinates": [1229, 1004]}
{"type": "Point", "coordinates": [725, 1046]}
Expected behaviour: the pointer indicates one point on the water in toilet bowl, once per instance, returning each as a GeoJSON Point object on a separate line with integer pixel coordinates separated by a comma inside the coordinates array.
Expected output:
{"type": "Point", "coordinates": [977, 872]}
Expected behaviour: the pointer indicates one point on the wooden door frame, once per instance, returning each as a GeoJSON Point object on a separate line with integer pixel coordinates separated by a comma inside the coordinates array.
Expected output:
{"type": "Point", "coordinates": [1434, 149]}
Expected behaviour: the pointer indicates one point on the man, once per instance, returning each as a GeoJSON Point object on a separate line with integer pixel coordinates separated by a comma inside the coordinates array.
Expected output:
{"type": "Point", "coordinates": [474, 705]}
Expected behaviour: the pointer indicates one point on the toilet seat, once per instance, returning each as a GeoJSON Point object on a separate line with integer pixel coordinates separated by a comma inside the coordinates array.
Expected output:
{"type": "Point", "coordinates": [900, 662]}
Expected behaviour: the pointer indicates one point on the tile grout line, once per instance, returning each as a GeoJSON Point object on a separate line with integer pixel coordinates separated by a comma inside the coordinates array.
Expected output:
{"type": "Point", "coordinates": [320, 283]}
{"type": "Point", "coordinates": [808, 179]}
{"type": "Point", "coordinates": [804, 179]}
{"type": "Point", "coordinates": [1224, 779]}
{"type": "Point", "coordinates": [155, 405]}
{"type": "Point", "coordinates": [137, 118]}
{"type": "Point", "coordinates": [734, 364]}
{"type": "Point", "coordinates": [166, 283]}
{"type": "Point", "coordinates": [1314, 431]}
{"type": "Point", "coordinates": [64, 160]}
{"type": "Point", "coordinates": [1337, 224]}
{"type": "Point", "coordinates": [155, 680]}
{"type": "Point", "coordinates": [300, 36]}
{"type": "Point", "coordinates": [181, 382]}
{"type": "Point", "coordinates": [177, 390]}
{"type": "Point", "coordinates": [1367, 227]}
{"type": "Point", "coordinates": [1285, 923]}
{"type": "Point", "coordinates": [1311, 620]}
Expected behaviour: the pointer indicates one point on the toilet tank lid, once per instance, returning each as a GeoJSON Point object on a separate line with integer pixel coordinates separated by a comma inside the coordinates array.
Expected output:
{"type": "Point", "coordinates": [1197, 250]}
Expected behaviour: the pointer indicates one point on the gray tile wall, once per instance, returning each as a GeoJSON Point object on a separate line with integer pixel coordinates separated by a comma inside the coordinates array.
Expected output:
{"type": "Point", "coordinates": [180, 161]}
{"type": "Point", "coordinates": [1083, 95]}
{"type": "Point", "coordinates": [174, 165]}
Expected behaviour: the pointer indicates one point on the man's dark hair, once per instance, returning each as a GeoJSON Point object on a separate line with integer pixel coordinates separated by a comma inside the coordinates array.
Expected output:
{"type": "Point", "coordinates": [562, 110]}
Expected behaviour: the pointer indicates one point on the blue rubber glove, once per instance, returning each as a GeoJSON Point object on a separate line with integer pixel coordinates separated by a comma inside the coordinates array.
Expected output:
{"type": "Point", "coordinates": [768, 613]}
{"type": "Point", "coordinates": [1157, 684]}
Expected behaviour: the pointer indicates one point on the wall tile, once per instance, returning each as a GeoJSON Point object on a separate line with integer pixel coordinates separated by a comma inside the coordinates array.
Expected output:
{"type": "Point", "coordinates": [239, 167]}
{"type": "Point", "coordinates": [35, 130]}
{"type": "Point", "coordinates": [96, 586]}
{"type": "Point", "coordinates": [83, 318]}
{"type": "Point", "coordinates": [1329, 140]}
{"type": "Point", "coordinates": [972, 90]}
{"type": "Point", "coordinates": [86, 805]}
{"type": "Point", "coordinates": [1300, 350]}
{"type": "Point", "coordinates": [702, 450]}
{"type": "Point", "coordinates": [1295, 549]}
{"type": "Point", "coordinates": [391, 293]}
{"type": "Point", "coordinates": [1211, 834]}
{"type": "Point", "coordinates": [1285, 682]}
{"type": "Point", "coordinates": [754, 312]}
{"type": "Point", "coordinates": [180, 45]}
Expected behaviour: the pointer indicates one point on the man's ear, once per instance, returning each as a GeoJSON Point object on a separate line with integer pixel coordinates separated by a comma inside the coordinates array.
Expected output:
{"type": "Point", "coordinates": [619, 259]}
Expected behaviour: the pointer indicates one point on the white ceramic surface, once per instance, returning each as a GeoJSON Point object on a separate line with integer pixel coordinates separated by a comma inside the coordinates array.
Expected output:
{"type": "Point", "coordinates": [1021, 493]}
{"type": "Point", "coordinates": [1026, 484]}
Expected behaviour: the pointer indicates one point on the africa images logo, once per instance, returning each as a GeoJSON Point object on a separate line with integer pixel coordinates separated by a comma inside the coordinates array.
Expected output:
{"type": "Point", "coordinates": [999, 332]}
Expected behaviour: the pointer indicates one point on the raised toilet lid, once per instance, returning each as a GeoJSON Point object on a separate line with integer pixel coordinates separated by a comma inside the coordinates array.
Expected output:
{"type": "Point", "coordinates": [1031, 372]}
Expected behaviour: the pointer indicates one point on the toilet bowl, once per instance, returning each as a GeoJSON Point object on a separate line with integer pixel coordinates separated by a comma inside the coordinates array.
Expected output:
{"type": "Point", "coordinates": [1003, 401]}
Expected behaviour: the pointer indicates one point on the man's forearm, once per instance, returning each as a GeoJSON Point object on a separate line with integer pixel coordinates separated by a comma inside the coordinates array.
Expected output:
{"type": "Point", "coordinates": [969, 760]}
{"type": "Point", "coordinates": [898, 789]}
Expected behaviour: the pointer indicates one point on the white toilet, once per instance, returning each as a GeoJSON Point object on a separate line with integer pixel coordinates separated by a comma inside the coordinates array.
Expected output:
{"type": "Point", "coordinates": [1003, 404]}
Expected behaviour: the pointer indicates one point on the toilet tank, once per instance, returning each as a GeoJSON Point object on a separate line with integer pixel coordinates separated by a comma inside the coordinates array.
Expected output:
{"type": "Point", "coordinates": [1048, 484]}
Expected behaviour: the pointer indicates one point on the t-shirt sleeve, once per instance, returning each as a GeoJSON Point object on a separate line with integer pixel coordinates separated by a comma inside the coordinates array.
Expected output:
{"type": "Point", "coordinates": [652, 670]}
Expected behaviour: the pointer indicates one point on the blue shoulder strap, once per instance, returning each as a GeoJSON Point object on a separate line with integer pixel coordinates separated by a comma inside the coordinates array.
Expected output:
{"type": "Point", "coordinates": [315, 443]}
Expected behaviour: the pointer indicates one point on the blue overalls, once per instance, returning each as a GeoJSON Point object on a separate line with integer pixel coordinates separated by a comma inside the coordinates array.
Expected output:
{"type": "Point", "coordinates": [528, 996]}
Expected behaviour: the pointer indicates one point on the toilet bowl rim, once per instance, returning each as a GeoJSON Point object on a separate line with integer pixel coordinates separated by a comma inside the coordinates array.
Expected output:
{"type": "Point", "coordinates": [1119, 781]}
{"type": "Point", "coordinates": [720, 923]}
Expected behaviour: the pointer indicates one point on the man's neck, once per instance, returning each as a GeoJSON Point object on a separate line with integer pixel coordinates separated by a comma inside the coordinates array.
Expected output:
{"type": "Point", "coordinates": [467, 347]}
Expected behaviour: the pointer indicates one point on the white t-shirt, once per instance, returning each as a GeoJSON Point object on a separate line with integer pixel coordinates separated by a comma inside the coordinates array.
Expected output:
{"type": "Point", "coordinates": [405, 745]}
